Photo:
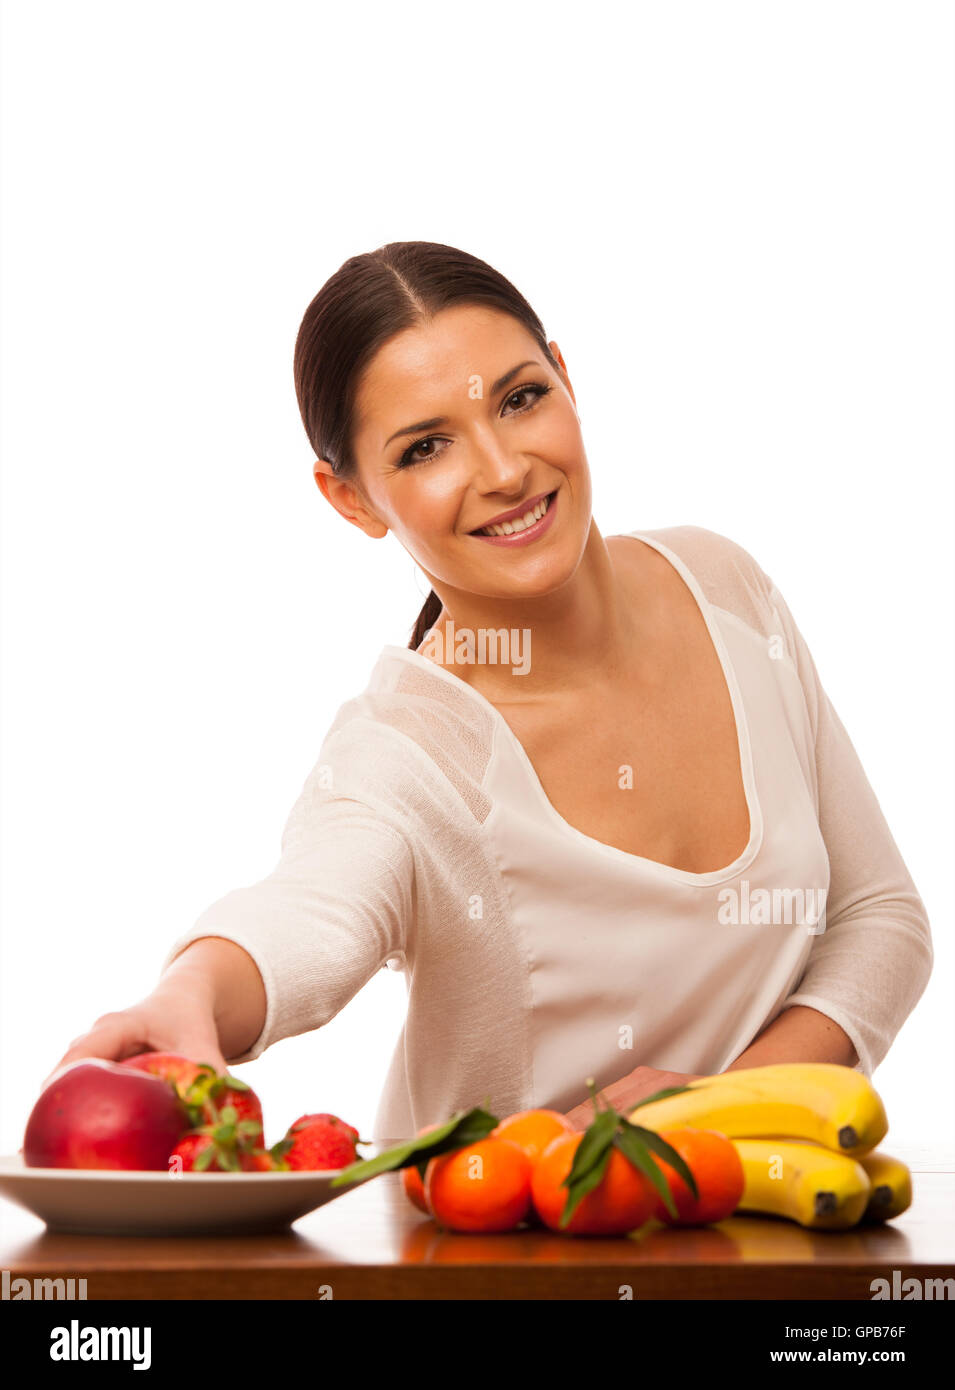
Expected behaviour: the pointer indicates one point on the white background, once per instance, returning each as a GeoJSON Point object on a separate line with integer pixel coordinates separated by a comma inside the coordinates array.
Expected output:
{"type": "Point", "coordinates": [736, 219]}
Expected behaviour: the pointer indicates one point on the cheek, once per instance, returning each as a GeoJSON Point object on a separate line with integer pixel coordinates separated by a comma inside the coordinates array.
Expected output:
{"type": "Point", "coordinates": [429, 502]}
{"type": "Point", "coordinates": [560, 441]}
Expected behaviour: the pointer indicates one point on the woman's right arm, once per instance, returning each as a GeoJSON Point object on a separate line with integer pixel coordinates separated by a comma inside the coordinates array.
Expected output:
{"type": "Point", "coordinates": [280, 957]}
{"type": "Point", "coordinates": [209, 1005]}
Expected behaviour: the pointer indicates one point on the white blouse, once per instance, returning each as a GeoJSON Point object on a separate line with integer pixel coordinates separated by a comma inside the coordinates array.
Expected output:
{"type": "Point", "coordinates": [536, 956]}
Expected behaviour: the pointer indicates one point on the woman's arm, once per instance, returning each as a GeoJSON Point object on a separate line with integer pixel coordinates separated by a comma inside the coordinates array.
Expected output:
{"type": "Point", "coordinates": [798, 1034]}
{"type": "Point", "coordinates": [281, 956]}
{"type": "Point", "coordinates": [227, 977]}
{"type": "Point", "coordinates": [870, 965]}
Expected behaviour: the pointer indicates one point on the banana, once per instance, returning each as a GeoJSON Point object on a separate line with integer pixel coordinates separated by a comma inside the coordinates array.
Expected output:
{"type": "Point", "coordinates": [891, 1186]}
{"type": "Point", "coordinates": [803, 1182]}
{"type": "Point", "coordinates": [891, 1181]}
{"type": "Point", "coordinates": [821, 1102]}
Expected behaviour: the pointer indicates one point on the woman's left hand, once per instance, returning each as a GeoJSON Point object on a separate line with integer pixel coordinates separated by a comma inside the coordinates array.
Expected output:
{"type": "Point", "coordinates": [624, 1094]}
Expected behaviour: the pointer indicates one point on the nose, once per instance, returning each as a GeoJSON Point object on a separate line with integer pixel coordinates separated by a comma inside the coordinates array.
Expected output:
{"type": "Point", "coordinates": [497, 469]}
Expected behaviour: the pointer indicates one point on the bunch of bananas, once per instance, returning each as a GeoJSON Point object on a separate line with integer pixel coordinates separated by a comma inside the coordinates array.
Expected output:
{"type": "Point", "coordinates": [807, 1134]}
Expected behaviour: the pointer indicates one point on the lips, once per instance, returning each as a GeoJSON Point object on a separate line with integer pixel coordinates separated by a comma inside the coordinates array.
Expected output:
{"type": "Point", "coordinates": [515, 512]}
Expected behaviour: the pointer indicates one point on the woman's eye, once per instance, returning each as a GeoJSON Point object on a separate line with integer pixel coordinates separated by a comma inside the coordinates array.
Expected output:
{"type": "Point", "coordinates": [408, 459]}
{"type": "Point", "coordinates": [533, 389]}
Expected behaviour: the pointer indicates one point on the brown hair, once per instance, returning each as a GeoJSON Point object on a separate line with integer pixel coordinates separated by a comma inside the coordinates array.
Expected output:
{"type": "Point", "coordinates": [369, 299]}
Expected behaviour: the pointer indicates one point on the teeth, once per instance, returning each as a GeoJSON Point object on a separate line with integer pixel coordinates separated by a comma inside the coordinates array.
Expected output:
{"type": "Point", "coordinates": [507, 528]}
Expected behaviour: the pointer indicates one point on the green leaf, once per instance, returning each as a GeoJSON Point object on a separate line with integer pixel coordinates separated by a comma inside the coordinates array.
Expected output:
{"type": "Point", "coordinates": [199, 1085]}
{"type": "Point", "coordinates": [578, 1184]}
{"type": "Point", "coordinates": [277, 1153]}
{"type": "Point", "coordinates": [232, 1083]}
{"type": "Point", "coordinates": [596, 1140]}
{"type": "Point", "coordinates": [637, 1152]}
{"type": "Point", "coordinates": [667, 1151]}
{"type": "Point", "coordinates": [464, 1127]}
{"type": "Point", "coordinates": [204, 1159]}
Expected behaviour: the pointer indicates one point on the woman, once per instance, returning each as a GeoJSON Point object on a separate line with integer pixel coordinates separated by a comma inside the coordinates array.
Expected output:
{"type": "Point", "coordinates": [600, 810]}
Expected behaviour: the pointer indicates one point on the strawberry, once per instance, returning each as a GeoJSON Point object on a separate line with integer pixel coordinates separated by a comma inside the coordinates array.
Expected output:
{"type": "Point", "coordinates": [197, 1083]}
{"type": "Point", "coordinates": [223, 1146]}
{"type": "Point", "coordinates": [317, 1142]}
{"type": "Point", "coordinates": [328, 1119]}
{"type": "Point", "coordinates": [193, 1154]}
{"type": "Point", "coordinates": [213, 1094]}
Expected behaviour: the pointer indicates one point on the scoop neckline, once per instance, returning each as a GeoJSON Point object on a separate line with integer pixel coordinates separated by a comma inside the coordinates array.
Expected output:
{"type": "Point", "coordinates": [743, 743]}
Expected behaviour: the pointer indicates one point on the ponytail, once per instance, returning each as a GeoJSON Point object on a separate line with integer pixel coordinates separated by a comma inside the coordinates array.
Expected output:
{"type": "Point", "coordinates": [426, 619]}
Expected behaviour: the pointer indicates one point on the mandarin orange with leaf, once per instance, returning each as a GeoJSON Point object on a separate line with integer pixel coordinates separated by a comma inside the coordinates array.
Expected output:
{"type": "Point", "coordinates": [621, 1202]}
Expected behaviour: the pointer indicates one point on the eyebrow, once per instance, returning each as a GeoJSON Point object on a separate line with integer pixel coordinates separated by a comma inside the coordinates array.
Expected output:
{"type": "Point", "coordinates": [443, 419]}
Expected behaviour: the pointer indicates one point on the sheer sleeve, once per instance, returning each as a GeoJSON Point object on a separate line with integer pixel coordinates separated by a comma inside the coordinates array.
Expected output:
{"type": "Point", "coordinates": [869, 967]}
{"type": "Point", "coordinates": [333, 911]}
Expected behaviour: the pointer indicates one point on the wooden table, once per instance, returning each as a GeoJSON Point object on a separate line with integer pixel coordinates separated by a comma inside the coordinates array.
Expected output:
{"type": "Point", "coordinates": [371, 1243]}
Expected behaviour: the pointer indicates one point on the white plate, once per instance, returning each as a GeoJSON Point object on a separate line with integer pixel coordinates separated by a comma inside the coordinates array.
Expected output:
{"type": "Point", "coordinates": [96, 1201]}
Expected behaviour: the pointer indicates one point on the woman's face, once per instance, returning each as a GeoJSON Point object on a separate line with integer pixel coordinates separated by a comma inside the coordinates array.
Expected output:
{"type": "Point", "coordinates": [496, 447]}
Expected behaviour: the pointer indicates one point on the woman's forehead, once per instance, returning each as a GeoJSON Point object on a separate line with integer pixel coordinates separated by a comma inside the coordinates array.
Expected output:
{"type": "Point", "coordinates": [412, 370]}
{"type": "Point", "coordinates": [455, 338]}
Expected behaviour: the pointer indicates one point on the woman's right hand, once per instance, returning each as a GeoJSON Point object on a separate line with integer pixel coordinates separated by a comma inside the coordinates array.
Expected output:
{"type": "Point", "coordinates": [164, 1021]}
{"type": "Point", "coordinates": [210, 999]}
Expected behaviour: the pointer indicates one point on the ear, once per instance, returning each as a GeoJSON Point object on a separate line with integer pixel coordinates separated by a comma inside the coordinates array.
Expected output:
{"type": "Point", "coordinates": [563, 366]}
{"type": "Point", "coordinates": [347, 500]}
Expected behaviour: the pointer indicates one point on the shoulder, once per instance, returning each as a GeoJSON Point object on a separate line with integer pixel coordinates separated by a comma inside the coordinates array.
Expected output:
{"type": "Point", "coordinates": [710, 552]}
{"type": "Point", "coordinates": [729, 576]}
{"type": "Point", "coordinates": [414, 748]}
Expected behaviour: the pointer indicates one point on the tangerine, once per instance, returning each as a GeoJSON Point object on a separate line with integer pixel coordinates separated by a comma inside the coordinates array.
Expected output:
{"type": "Point", "coordinates": [481, 1187]}
{"type": "Point", "coordinates": [621, 1201]}
{"type": "Point", "coordinates": [533, 1130]}
{"type": "Point", "coordinates": [714, 1161]}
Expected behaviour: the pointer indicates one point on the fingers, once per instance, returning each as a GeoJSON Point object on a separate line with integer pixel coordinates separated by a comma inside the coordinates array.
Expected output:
{"type": "Point", "coordinates": [580, 1117]}
{"type": "Point", "coordinates": [116, 1036]}
{"type": "Point", "coordinates": [112, 1037]}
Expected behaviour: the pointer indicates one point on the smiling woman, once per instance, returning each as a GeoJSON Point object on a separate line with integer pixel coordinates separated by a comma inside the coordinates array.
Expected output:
{"type": "Point", "coordinates": [545, 849]}
{"type": "Point", "coordinates": [391, 334]}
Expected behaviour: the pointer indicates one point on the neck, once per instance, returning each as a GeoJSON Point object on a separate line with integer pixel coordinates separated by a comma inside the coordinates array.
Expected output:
{"type": "Point", "coordinates": [574, 639]}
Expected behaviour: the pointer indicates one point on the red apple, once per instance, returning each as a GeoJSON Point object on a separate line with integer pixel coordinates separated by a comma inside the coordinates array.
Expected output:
{"type": "Point", "coordinates": [99, 1114]}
